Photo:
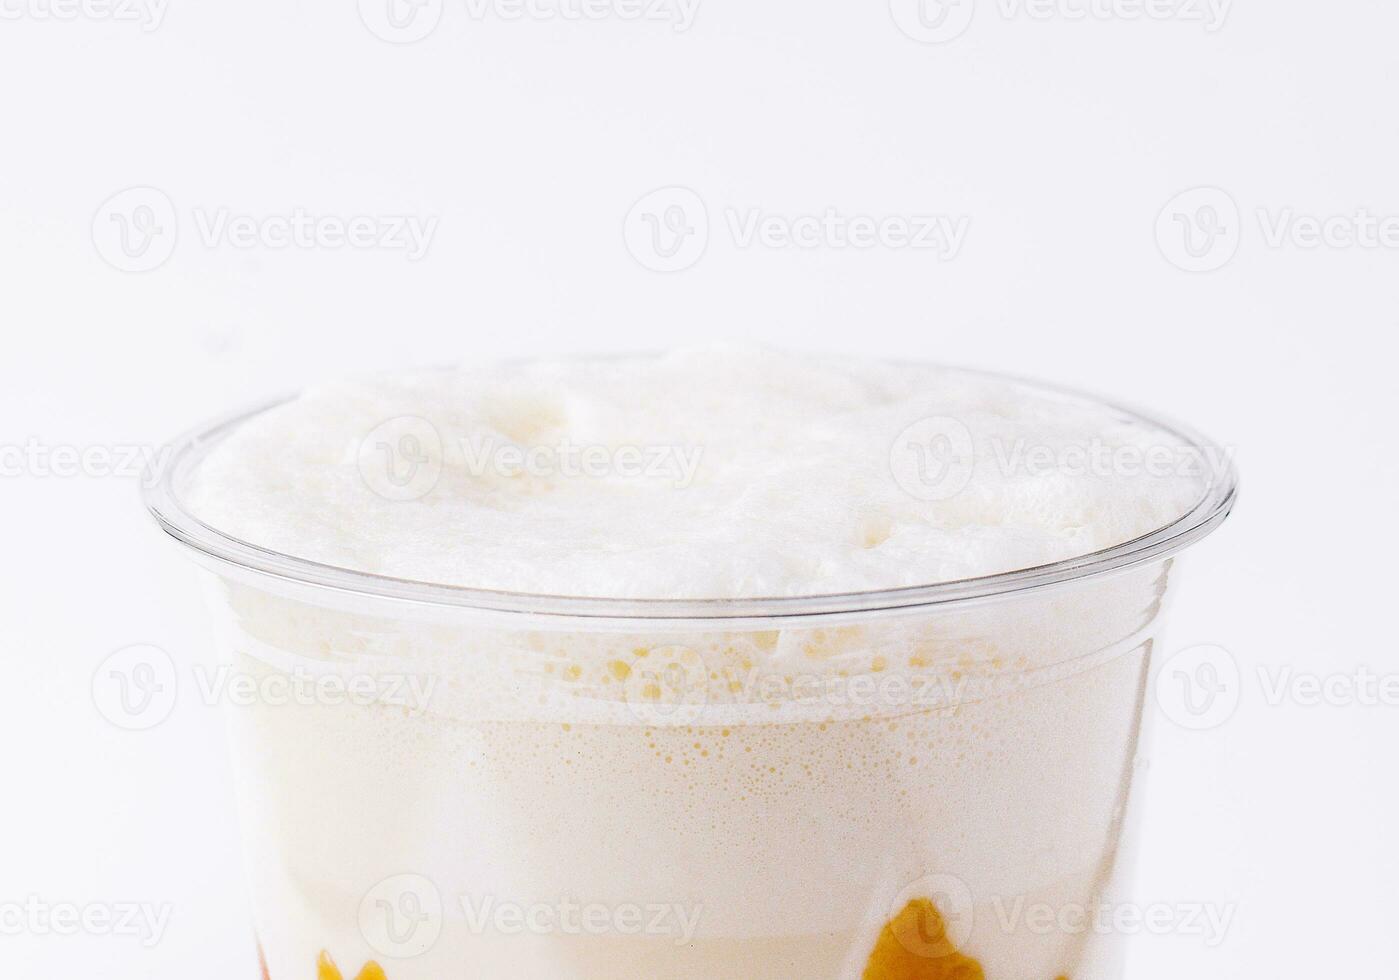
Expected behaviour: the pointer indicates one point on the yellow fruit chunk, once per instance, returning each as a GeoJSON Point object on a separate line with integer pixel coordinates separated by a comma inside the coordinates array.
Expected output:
{"type": "Point", "coordinates": [327, 970]}
{"type": "Point", "coordinates": [914, 946]}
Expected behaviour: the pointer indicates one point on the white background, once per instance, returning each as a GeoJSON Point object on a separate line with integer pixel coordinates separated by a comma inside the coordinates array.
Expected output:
{"type": "Point", "coordinates": [1060, 139]}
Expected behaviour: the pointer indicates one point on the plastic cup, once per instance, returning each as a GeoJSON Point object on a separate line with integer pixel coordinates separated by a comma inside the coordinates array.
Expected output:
{"type": "Point", "coordinates": [445, 782]}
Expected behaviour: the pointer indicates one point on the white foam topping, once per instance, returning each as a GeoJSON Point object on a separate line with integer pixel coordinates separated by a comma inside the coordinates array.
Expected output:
{"type": "Point", "coordinates": [694, 474]}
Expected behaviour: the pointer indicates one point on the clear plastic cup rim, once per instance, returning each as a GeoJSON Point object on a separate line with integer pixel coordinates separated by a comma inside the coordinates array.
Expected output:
{"type": "Point", "coordinates": [232, 556]}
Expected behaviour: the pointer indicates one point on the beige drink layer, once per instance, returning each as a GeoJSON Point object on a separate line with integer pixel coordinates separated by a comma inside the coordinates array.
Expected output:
{"type": "Point", "coordinates": [755, 831]}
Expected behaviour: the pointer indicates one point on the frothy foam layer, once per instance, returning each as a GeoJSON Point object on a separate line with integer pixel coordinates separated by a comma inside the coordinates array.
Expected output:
{"type": "Point", "coordinates": [697, 474]}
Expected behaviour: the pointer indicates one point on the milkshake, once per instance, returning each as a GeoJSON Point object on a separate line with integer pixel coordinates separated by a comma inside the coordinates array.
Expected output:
{"type": "Point", "coordinates": [717, 664]}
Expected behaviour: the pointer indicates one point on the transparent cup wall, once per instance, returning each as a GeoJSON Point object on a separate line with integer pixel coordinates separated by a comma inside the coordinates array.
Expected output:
{"type": "Point", "coordinates": [431, 791]}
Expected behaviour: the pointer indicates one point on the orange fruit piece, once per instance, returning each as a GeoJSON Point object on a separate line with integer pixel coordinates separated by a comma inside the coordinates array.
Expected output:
{"type": "Point", "coordinates": [327, 970]}
{"type": "Point", "coordinates": [914, 946]}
